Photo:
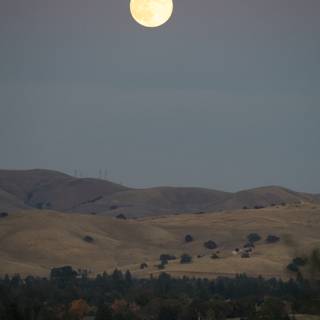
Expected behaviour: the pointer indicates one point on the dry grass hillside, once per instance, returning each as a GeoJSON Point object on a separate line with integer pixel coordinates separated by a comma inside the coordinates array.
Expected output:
{"type": "Point", "coordinates": [168, 200]}
{"type": "Point", "coordinates": [156, 201]}
{"type": "Point", "coordinates": [32, 242]}
{"type": "Point", "coordinates": [9, 202]}
{"type": "Point", "coordinates": [53, 190]}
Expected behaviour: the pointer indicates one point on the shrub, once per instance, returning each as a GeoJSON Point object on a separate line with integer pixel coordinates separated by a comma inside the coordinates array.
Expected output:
{"type": "Point", "coordinates": [185, 258]}
{"type": "Point", "coordinates": [4, 214]}
{"type": "Point", "coordinates": [143, 266]}
{"type": "Point", "coordinates": [253, 237]}
{"type": "Point", "coordinates": [300, 262]}
{"type": "Point", "coordinates": [214, 256]}
{"type": "Point", "coordinates": [245, 208]}
{"type": "Point", "coordinates": [88, 239]}
{"type": "Point", "coordinates": [258, 207]}
{"type": "Point", "coordinates": [167, 257]}
{"type": "Point", "coordinates": [78, 309]}
{"type": "Point", "coordinates": [161, 266]}
{"type": "Point", "coordinates": [188, 238]}
{"type": "Point", "coordinates": [296, 263]}
{"type": "Point", "coordinates": [272, 239]}
{"type": "Point", "coordinates": [245, 255]}
{"type": "Point", "coordinates": [292, 267]}
{"type": "Point", "coordinates": [113, 207]}
{"type": "Point", "coordinates": [210, 245]}
{"type": "Point", "coordinates": [249, 245]}
{"type": "Point", "coordinates": [121, 216]}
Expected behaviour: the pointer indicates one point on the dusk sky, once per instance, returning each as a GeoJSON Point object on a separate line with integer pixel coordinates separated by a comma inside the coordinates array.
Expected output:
{"type": "Point", "coordinates": [225, 95]}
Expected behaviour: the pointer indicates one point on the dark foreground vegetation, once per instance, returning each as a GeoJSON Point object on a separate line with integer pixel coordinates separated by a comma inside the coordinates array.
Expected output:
{"type": "Point", "coordinates": [68, 294]}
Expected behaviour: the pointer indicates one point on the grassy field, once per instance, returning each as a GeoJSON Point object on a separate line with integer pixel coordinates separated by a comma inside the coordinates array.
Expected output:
{"type": "Point", "coordinates": [32, 242]}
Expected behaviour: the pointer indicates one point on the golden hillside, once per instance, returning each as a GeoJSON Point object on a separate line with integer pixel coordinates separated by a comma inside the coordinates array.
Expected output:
{"type": "Point", "coordinates": [32, 242]}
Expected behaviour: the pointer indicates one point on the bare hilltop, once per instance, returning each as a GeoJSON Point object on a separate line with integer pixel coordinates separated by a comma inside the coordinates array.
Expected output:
{"type": "Point", "coordinates": [45, 189]}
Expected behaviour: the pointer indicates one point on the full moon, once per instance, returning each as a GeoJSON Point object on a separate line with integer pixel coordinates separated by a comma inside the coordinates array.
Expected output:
{"type": "Point", "coordinates": [151, 13]}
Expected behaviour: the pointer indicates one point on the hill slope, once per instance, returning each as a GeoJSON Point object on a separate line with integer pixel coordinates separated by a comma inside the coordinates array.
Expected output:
{"type": "Point", "coordinates": [155, 201]}
{"type": "Point", "coordinates": [35, 241]}
{"type": "Point", "coordinates": [51, 189]}
{"type": "Point", "coordinates": [9, 202]}
{"type": "Point", "coordinates": [47, 189]}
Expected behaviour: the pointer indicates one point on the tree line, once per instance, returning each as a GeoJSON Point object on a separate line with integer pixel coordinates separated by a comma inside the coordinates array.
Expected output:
{"type": "Point", "coordinates": [69, 294]}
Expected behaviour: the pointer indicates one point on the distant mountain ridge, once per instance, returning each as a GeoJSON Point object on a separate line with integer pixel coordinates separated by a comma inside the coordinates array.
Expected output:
{"type": "Point", "coordinates": [46, 189]}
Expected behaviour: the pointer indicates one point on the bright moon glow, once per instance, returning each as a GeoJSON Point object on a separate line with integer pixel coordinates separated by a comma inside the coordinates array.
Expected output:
{"type": "Point", "coordinates": [151, 13]}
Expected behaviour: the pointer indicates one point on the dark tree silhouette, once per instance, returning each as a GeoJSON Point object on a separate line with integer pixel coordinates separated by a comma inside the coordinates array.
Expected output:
{"type": "Point", "coordinates": [121, 216]}
{"type": "Point", "coordinates": [188, 238]}
{"type": "Point", "coordinates": [210, 245]}
{"type": "Point", "coordinates": [272, 239]}
{"type": "Point", "coordinates": [88, 239]}
{"type": "Point", "coordinates": [185, 258]}
{"type": "Point", "coordinates": [253, 237]}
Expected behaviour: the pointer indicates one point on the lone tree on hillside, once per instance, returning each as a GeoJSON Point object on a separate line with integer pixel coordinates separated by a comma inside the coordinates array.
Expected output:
{"type": "Point", "coordinates": [210, 245]}
{"type": "Point", "coordinates": [188, 238]}
{"type": "Point", "coordinates": [272, 239]}
{"type": "Point", "coordinates": [88, 239]}
{"type": "Point", "coordinates": [253, 237]}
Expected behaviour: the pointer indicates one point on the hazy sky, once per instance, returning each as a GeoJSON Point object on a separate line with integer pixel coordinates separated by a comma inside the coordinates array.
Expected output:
{"type": "Point", "coordinates": [226, 95]}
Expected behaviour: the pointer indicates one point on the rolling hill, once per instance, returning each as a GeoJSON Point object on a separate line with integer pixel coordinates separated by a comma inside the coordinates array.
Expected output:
{"type": "Point", "coordinates": [50, 189]}
{"type": "Point", "coordinates": [9, 202]}
{"type": "Point", "coordinates": [34, 241]}
{"type": "Point", "coordinates": [45, 189]}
